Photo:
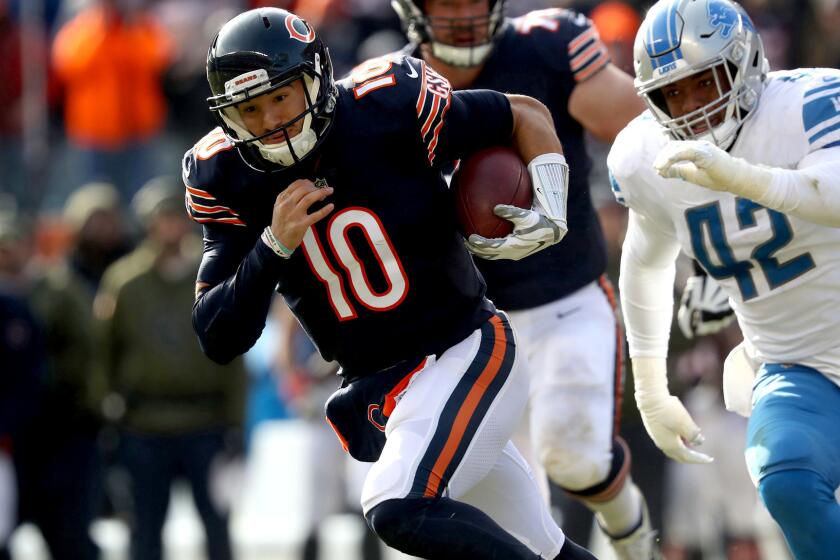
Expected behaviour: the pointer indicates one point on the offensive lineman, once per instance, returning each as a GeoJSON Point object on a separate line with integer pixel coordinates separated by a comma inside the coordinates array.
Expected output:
{"type": "Point", "coordinates": [332, 194]}
{"type": "Point", "coordinates": [740, 168]}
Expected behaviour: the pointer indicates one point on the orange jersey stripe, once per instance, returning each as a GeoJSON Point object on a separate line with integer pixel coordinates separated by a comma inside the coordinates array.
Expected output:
{"type": "Point", "coordinates": [391, 397]}
{"type": "Point", "coordinates": [421, 99]}
{"type": "Point", "coordinates": [597, 64]}
{"type": "Point", "coordinates": [235, 221]}
{"type": "Point", "coordinates": [432, 114]}
{"type": "Point", "coordinates": [577, 62]}
{"type": "Point", "coordinates": [433, 143]}
{"type": "Point", "coordinates": [618, 397]}
{"type": "Point", "coordinates": [465, 413]}
{"type": "Point", "coordinates": [340, 437]}
{"type": "Point", "coordinates": [199, 192]}
{"type": "Point", "coordinates": [578, 41]}
{"type": "Point", "coordinates": [211, 209]}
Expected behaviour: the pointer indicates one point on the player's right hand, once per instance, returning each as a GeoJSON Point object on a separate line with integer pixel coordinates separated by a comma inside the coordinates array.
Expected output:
{"type": "Point", "coordinates": [291, 218]}
{"type": "Point", "coordinates": [666, 420]}
{"type": "Point", "coordinates": [704, 307]}
{"type": "Point", "coordinates": [532, 232]}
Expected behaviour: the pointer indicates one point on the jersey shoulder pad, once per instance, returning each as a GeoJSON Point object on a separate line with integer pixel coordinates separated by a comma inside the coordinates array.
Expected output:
{"type": "Point", "coordinates": [394, 80]}
{"type": "Point", "coordinates": [565, 40]}
{"type": "Point", "coordinates": [405, 89]}
{"type": "Point", "coordinates": [204, 170]}
{"type": "Point", "coordinates": [813, 95]}
{"type": "Point", "coordinates": [631, 156]}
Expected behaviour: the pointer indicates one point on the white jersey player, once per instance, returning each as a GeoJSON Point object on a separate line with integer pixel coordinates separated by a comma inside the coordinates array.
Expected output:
{"type": "Point", "coordinates": [740, 168]}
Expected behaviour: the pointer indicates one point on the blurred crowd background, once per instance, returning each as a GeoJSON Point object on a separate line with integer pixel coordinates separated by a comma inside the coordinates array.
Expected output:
{"type": "Point", "coordinates": [110, 417]}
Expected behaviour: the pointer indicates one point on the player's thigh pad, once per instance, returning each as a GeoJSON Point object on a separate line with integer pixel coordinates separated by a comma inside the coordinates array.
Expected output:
{"type": "Point", "coordinates": [576, 381]}
{"type": "Point", "coordinates": [449, 428]}
{"type": "Point", "coordinates": [794, 423]}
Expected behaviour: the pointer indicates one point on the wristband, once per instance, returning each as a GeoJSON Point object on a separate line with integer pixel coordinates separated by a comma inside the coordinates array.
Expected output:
{"type": "Point", "coordinates": [274, 244]}
{"type": "Point", "coordinates": [550, 180]}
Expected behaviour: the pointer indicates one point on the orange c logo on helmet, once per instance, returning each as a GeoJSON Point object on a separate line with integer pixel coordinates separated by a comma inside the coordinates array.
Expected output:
{"type": "Point", "coordinates": [295, 26]}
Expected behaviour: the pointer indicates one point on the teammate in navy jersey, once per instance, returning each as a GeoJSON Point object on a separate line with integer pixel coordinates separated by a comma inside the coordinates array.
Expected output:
{"type": "Point", "coordinates": [558, 299]}
{"type": "Point", "coordinates": [332, 195]}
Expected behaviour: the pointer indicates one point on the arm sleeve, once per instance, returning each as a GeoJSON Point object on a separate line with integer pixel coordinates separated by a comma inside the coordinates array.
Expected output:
{"type": "Point", "coordinates": [810, 192]}
{"type": "Point", "coordinates": [243, 273]}
{"type": "Point", "coordinates": [646, 283]}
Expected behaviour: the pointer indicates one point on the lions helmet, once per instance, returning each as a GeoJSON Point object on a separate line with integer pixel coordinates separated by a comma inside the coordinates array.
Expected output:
{"type": "Point", "coordinates": [679, 38]}
{"type": "Point", "coordinates": [419, 28]}
{"type": "Point", "coordinates": [259, 51]}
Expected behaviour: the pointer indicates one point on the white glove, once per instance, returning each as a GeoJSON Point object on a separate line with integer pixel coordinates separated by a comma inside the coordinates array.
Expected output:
{"type": "Point", "coordinates": [704, 164]}
{"type": "Point", "coordinates": [704, 307]}
{"type": "Point", "coordinates": [665, 418]}
{"type": "Point", "coordinates": [531, 232]}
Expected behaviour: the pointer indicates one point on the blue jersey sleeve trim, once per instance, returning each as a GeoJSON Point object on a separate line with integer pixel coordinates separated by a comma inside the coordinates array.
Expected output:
{"type": "Point", "coordinates": [820, 110]}
{"type": "Point", "coordinates": [616, 189]}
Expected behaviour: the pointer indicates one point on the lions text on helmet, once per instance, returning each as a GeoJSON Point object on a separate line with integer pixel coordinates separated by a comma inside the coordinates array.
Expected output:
{"type": "Point", "coordinates": [275, 110]}
{"type": "Point", "coordinates": [700, 68]}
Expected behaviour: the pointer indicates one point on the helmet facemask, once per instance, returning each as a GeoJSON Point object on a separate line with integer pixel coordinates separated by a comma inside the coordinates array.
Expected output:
{"type": "Point", "coordinates": [458, 41]}
{"type": "Point", "coordinates": [293, 148]}
{"type": "Point", "coordinates": [718, 121]}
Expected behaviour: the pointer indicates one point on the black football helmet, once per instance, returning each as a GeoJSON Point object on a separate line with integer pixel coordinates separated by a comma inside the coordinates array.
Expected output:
{"type": "Point", "coordinates": [256, 52]}
{"type": "Point", "coordinates": [419, 28]}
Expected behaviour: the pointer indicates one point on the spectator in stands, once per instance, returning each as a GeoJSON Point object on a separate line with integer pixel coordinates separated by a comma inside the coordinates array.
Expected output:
{"type": "Point", "coordinates": [178, 407]}
{"type": "Point", "coordinates": [110, 59]}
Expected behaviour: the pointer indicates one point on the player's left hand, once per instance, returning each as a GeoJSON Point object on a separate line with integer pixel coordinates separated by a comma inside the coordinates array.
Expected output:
{"type": "Point", "coordinates": [704, 164]}
{"type": "Point", "coordinates": [532, 232]}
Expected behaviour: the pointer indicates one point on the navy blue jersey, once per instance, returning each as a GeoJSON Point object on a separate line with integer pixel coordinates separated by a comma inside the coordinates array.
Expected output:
{"type": "Point", "coordinates": [544, 54]}
{"type": "Point", "coordinates": [385, 277]}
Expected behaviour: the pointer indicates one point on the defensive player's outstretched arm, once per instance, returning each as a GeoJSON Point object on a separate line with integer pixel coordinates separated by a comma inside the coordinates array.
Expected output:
{"type": "Point", "coordinates": [646, 283]}
{"type": "Point", "coordinates": [605, 102]}
{"type": "Point", "coordinates": [810, 192]}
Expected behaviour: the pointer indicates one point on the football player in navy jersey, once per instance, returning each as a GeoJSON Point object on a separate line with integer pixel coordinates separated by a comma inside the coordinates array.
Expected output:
{"type": "Point", "coordinates": [559, 299]}
{"type": "Point", "coordinates": [332, 194]}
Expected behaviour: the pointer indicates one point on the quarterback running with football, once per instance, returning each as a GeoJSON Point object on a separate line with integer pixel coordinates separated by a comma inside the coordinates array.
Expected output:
{"type": "Point", "coordinates": [332, 194]}
{"type": "Point", "coordinates": [739, 168]}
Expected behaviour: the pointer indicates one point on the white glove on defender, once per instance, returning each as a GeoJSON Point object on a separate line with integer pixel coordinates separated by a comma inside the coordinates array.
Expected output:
{"type": "Point", "coordinates": [704, 307]}
{"type": "Point", "coordinates": [704, 164]}
{"type": "Point", "coordinates": [534, 229]}
{"type": "Point", "coordinates": [665, 418]}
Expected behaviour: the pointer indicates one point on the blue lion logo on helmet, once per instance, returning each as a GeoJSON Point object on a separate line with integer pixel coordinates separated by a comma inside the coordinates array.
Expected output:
{"type": "Point", "coordinates": [722, 16]}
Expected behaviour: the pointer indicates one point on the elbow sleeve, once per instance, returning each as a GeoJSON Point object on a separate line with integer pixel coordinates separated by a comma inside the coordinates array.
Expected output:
{"type": "Point", "coordinates": [647, 293]}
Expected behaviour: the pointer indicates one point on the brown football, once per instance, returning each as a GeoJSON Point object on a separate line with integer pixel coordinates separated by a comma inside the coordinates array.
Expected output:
{"type": "Point", "coordinates": [489, 177]}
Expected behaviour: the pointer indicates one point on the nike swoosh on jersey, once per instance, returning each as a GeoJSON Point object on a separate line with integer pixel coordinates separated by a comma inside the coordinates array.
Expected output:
{"type": "Point", "coordinates": [412, 73]}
